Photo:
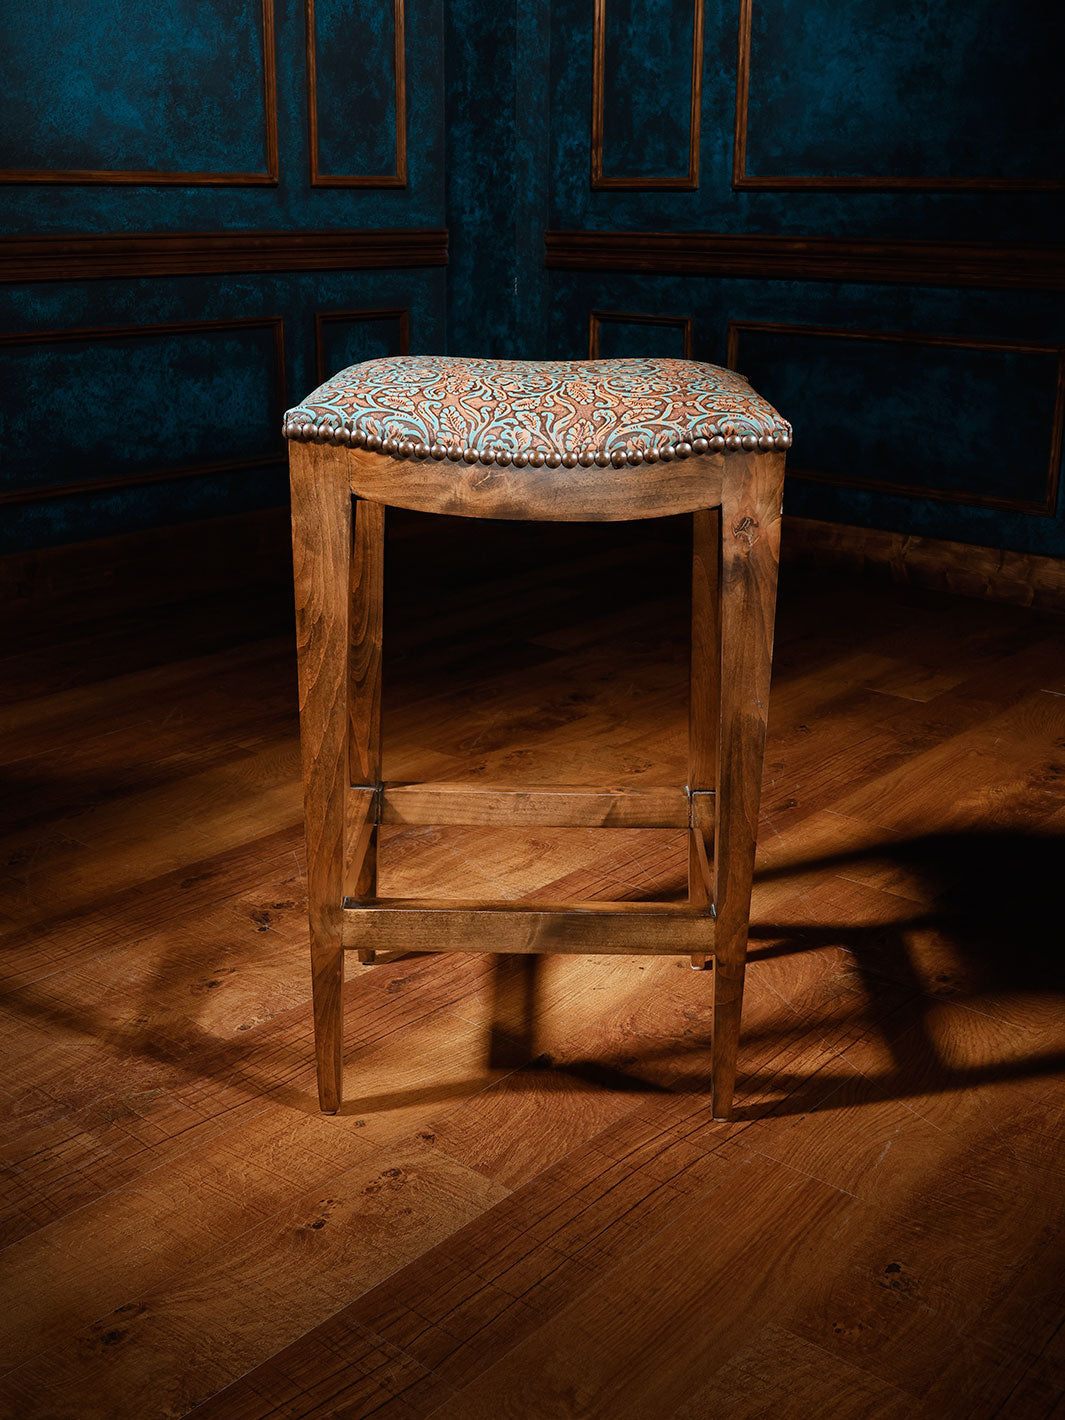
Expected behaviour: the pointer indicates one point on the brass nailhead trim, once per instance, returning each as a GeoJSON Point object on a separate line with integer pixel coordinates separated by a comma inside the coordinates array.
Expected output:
{"type": "Point", "coordinates": [321, 431]}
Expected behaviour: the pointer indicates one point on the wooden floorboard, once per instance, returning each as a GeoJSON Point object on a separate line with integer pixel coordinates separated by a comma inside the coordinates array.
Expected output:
{"type": "Point", "coordinates": [525, 1208]}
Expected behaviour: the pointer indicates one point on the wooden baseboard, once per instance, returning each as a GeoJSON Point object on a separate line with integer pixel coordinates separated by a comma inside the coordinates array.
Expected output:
{"type": "Point", "coordinates": [959, 567]}
{"type": "Point", "coordinates": [159, 566]}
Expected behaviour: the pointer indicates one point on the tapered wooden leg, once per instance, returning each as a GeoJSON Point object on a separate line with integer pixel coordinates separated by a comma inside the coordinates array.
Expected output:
{"type": "Point", "coordinates": [750, 549]}
{"type": "Point", "coordinates": [321, 557]}
{"type": "Point", "coordinates": [703, 696]}
{"type": "Point", "coordinates": [367, 608]}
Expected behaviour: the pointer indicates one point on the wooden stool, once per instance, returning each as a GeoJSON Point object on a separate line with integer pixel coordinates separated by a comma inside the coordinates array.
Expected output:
{"type": "Point", "coordinates": [606, 440]}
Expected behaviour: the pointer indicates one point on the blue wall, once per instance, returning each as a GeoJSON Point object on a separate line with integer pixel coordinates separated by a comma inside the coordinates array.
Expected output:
{"type": "Point", "coordinates": [158, 425]}
{"type": "Point", "coordinates": [931, 409]}
{"type": "Point", "coordinates": [931, 120]}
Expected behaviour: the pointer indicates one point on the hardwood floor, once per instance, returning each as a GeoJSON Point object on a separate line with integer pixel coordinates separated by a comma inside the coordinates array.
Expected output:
{"type": "Point", "coordinates": [524, 1208]}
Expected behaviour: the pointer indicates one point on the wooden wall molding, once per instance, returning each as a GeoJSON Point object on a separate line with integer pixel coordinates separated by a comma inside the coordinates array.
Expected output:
{"type": "Point", "coordinates": [743, 180]}
{"type": "Point", "coordinates": [39, 493]}
{"type": "Point", "coordinates": [152, 179]}
{"type": "Point", "coordinates": [962, 568]}
{"type": "Point", "coordinates": [399, 73]}
{"type": "Point", "coordinates": [324, 318]}
{"type": "Point", "coordinates": [684, 324]}
{"type": "Point", "coordinates": [77, 258]}
{"type": "Point", "coordinates": [685, 182]}
{"type": "Point", "coordinates": [1044, 507]}
{"type": "Point", "coordinates": [909, 263]}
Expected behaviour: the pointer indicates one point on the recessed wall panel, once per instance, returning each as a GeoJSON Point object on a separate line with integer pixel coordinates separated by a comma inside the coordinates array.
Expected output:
{"type": "Point", "coordinates": [900, 94]}
{"type": "Point", "coordinates": [629, 334]}
{"type": "Point", "coordinates": [107, 407]}
{"type": "Point", "coordinates": [111, 92]}
{"type": "Point", "coordinates": [957, 420]}
{"type": "Point", "coordinates": [356, 69]}
{"type": "Point", "coordinates": [646, 92]}
{"type": "Point", "coordinates": [348, 337]}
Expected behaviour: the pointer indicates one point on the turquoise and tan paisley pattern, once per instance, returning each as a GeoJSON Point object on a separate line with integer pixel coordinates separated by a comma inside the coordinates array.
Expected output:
{"type": "Point", "coordinates": [538, 411]}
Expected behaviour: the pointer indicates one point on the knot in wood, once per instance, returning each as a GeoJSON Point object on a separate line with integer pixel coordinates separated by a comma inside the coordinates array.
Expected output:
{"type": "Point", "coordinates": [746, 529]}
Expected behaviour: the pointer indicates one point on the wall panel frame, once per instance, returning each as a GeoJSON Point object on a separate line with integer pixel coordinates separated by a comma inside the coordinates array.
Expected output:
{"type": "Point", "coordinates": [741, 179]}
{"type": "Point", "coordinates": [399, 177]}
{"type": "Point", "coordinates": [1044, 506]}
{"type": "Point", "coordinates": [682, 323]}
{"type": "Point", "coordinates": [325, 318]}
{"type": "Point", "coordinates": [149, 178]}
{"type": "Point", "coordinates": [39, 493]}
{"type": "Point", "coordinates": [688, 181]}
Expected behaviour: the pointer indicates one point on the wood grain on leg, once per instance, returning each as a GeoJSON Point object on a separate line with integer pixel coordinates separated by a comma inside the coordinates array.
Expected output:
{"type": "Point", "coordinates": [703, 694]}
{"type": "Point", "coordinates": [367, 602]}
{"type": "Point", "coordinates": [750, 551]}
{"type": "Point", "coordinates": [364, 698]}
{"type": "Point", "coordinates": [321, 553]}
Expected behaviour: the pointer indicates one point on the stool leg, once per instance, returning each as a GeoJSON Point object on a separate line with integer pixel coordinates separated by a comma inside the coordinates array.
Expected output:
{"type": "Point", "coordinates": [703, 696]}
{"type": "Point", "coordinates": [367, 615]}
{"type": "Point", "coordinates": [750, 548]}
{"type": "Point", "coordinates": [321, 558]}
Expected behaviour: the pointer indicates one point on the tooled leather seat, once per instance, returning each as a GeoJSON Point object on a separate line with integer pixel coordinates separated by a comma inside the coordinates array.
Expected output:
{"type": "Point", "coordinates": [538, 412]}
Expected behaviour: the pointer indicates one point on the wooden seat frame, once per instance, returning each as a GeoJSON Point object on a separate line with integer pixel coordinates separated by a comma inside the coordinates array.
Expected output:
{"type": "Point", "coordinates": [338, 523]}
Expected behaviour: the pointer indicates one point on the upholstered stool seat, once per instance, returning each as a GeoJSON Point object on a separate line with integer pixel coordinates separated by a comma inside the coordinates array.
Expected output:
{"type": "Point", "coordinates": [561, 440]}
{"type": "Point", "coordinates": [538, 412]}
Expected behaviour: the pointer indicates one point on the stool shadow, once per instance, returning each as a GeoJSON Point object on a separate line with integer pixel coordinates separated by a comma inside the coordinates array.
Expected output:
{"type": "Point", "coordinates": [991, 900]}
{"type": "Point", "coordinates": [993, 896]}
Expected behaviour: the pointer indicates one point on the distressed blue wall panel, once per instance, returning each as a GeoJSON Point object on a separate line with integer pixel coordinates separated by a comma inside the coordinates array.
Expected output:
{"type": "Point", "coordinates": [971, 423]}
{"type": "Point", "coordinates": [123, 87]}
{"type": "Point", "coordinates": [290, 205]}
{"type": "Point", "coordinates": [647, 88]}
{"type": "Point", "coordinates": [516, 80]}
{"type": "Point", "coordinates": [356, 86]}
{"type": "Point", "coordinates": [134, 87]}
{"type": "Point", "coordinates": [717, 207]}
{"type": "Point", "coordinates": [870, 89]}
{"type": "Point", "coordinates": [296, 297]}
{"type": "Point", "coordinates": [907, 88]}
{"type": "Point", "coordinates": [109, 406]}
{"type": "Point", "coordinates": [1024, 316]}
{"type": "Point", "coordinates": [619, 339]}
{"type": "Point", "coordinates": [347, 342]}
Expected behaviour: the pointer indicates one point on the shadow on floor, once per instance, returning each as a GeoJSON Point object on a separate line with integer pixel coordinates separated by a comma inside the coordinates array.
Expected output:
{"type": "Point", "coordinates": [991, 901]}
{"type": "Point", "coordinates": [988, 907]}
